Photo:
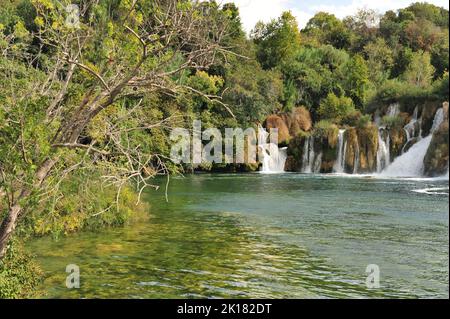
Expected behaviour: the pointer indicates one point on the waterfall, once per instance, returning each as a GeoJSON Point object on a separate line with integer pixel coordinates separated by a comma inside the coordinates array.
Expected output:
{"type": "Point", "coordinates": [410, 128]}
{"type": "Point", "coordinates": [393, 109]}
{"type": "Point", "coordinates": [410, 164]}
{"type": "Point", "coordinates": [273, 157]}
{"type": "Point", "coordinates": [383, 152]}
{"type": "Point", "coordinates": [317, 163]}
{"type": "Point", "coordinates": [339, 166]}
{"type": "Point", "coordinates": [308, 155]}
{"type": "Point", "coordinates": [438, 119]}
{"type": "Point", "coordinates": [356, 162]}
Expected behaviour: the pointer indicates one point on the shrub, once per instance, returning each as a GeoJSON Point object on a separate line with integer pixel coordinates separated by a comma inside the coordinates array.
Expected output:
{"type": "Point", "coordinates": [19, 274]}
{"type": "Point", "coordinates": [363, 121]}
{"type": "Point", "coordinates": [393, 121]}
{"type": "Point", "coordinates": [335, 108]}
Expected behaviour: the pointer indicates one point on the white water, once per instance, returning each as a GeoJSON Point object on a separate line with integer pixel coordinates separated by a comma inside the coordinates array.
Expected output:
{"type": "Point", "coordinates": [311, 162]}
{"type": "Point", "coordinates": [356, 162]}
{"type": "Point", "coordinates": [383, 152]}
{"type": "Point", "coordinates": [393, 110]}
{"type": "Point", "coordinates": [340, 160]}
{"type": "Point", "coordinates": [438, 119]}
{"type": "Point", "coordinates": [410, 164]}
{"type": "Point", "coordinates": [410, 128]}
{"type": "Point", "coordinates": [308, 155]}
{"type": "Point", "coordinates": [317, 163]}
{"type": "Point", "coordinates": [273, 157]}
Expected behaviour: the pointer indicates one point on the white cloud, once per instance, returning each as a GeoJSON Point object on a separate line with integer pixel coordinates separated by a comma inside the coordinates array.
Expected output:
{"type": "Point", "coordinates": [253, 11]}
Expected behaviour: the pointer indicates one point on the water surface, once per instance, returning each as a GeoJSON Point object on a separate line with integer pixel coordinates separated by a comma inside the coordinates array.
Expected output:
{"type": "Point", "coordinates": [266, 236]}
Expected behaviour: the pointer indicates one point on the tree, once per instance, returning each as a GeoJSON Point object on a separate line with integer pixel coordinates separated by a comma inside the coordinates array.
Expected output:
{"type": "Point", "coordinates": [335, 108]}
{"type": "Point", "coordinates": [419, 72]}
{"type": "Point", "coordinates": [106, 67]}
{"type": "Point", "coordinates": [276, 41]}
{"type": "Point", "coordinates": [379, 60]}
{"type": "Point", "coordinates": [356, 80]}
{"type": "Point", "coordinates": [327, 29]}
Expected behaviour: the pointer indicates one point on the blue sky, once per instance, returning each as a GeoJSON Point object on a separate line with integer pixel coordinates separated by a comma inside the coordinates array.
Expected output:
{"type": "Point", "coordinates": [254, 10]}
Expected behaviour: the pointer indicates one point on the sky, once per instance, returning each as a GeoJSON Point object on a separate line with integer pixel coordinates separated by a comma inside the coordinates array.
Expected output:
{"type": "Point", "coordinates": [253, 11]}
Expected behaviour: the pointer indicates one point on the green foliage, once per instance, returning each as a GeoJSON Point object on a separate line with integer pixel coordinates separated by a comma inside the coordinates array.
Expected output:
{"type": "Point", "coordinates": [335, 107]}
{"type": "Point", "coordinates": [19, 274]}
{"type": "Point", "coordinates": [393, 121]}
{"type": "Point", "coordinates": [420, 71]}
{"type": "Point", "coordinates": [380, 60]}
{"type": "Point", "coordinates": [356, 80]}
{"type": "Point", "coordinates": [363, 121]}
{"type": "Point", "coordinates": [276, 41]}
{"type": "Point", "coordinates": [325, 28]}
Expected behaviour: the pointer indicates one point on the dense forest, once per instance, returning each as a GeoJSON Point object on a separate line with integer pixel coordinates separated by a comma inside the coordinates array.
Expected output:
{"type": "Point", "coordinates": [89, 95]}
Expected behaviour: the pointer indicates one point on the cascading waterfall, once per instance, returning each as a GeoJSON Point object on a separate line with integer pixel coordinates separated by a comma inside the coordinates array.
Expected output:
{"type": "Point", "coordinates": [338, 166]}
{"type": "Point", "coordinates": [383, 152]}
{"type": "Point", "coordinates": [438, 119]}
{"type": "Point", "coordinates": [273, 157]}
{"type": "Point", "coordinates": [356, 162]}
{"type": "Point", "coordinates": [311, 162]}
{"type": "Point", "coordinates": [410, 128]}
{"type": "Point", "coordinates": [410, 163]}
{"type": "Point", "coordinates": [393, 110]}
{"type": "Point", "coordinates": [317, 163]}
{"type": "Point", "coordinates": [305, 157]}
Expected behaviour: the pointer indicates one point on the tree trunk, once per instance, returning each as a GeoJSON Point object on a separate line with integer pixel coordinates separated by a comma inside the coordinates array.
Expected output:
{"type": "Point", "coordinates": [7, 227]}
{"type": "Point", "coordinates": [9, 223]}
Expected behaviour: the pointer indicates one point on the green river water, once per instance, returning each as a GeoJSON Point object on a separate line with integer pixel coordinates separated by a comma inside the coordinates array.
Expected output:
{"type": "Point", "coordinates": [265, 236]}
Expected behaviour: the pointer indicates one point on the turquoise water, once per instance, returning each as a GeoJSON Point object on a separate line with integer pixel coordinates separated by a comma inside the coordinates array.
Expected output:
{"type": "Point", "coordinates": [274, 236]}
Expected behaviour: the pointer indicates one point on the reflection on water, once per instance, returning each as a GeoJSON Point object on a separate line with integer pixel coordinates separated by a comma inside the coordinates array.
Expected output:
{"type": "Point", "coordinates": [253, 235]}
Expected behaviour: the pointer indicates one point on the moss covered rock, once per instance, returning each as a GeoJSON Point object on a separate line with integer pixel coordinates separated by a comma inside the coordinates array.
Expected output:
{"type": "Point", "coordinates": [428, 111]}
{"type": "Point", "coordinates": [275, 121]}
{"type": "Point", "coordinates": [437, 158]}
{"type": "Point", "coordinates": [352, 149]}
{"type": "Point", "coordinates": [398, 139]}
{"type": "Point", "coordinates": [368, 146]}
{"type": "Point", "coordinates": [300, 119]}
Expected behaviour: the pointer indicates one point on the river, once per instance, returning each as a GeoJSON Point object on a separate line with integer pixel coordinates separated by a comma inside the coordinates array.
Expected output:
{"type": "Point", "coordinates": [265, 236]}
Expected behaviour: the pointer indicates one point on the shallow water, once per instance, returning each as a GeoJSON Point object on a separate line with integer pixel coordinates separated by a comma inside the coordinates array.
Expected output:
{"type": "Point", "coordinates": [274, 236]}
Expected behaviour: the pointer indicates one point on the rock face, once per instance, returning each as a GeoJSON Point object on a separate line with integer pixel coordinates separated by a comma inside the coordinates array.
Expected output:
{"type": "Point", "coordinates": [368, 146]}
{"type": "Point", "coordinates": [275, 121]}
{"type": "Point", "coordinates": [437, 158]}
{"type": "Point", "coordinates": [290, 124]}
{"type": "Point", "coordinates": [397, 141]}
{"type": "Point", "coordinates": [300, 120]}
{"type": "Point", "coordinates": [295, 153]}
{"type": "Point", "coordinates": [352, 150]}
{"type": "Point", "coordinates": [428, 111]}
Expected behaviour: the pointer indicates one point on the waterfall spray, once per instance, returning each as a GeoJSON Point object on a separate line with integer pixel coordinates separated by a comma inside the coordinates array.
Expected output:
{"type": "Point", "coordinates": [340, 160]}
{"type": "Point", "coordinates": [410, 164]}
{"type": "Point", "coordinates": [273, 157]}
